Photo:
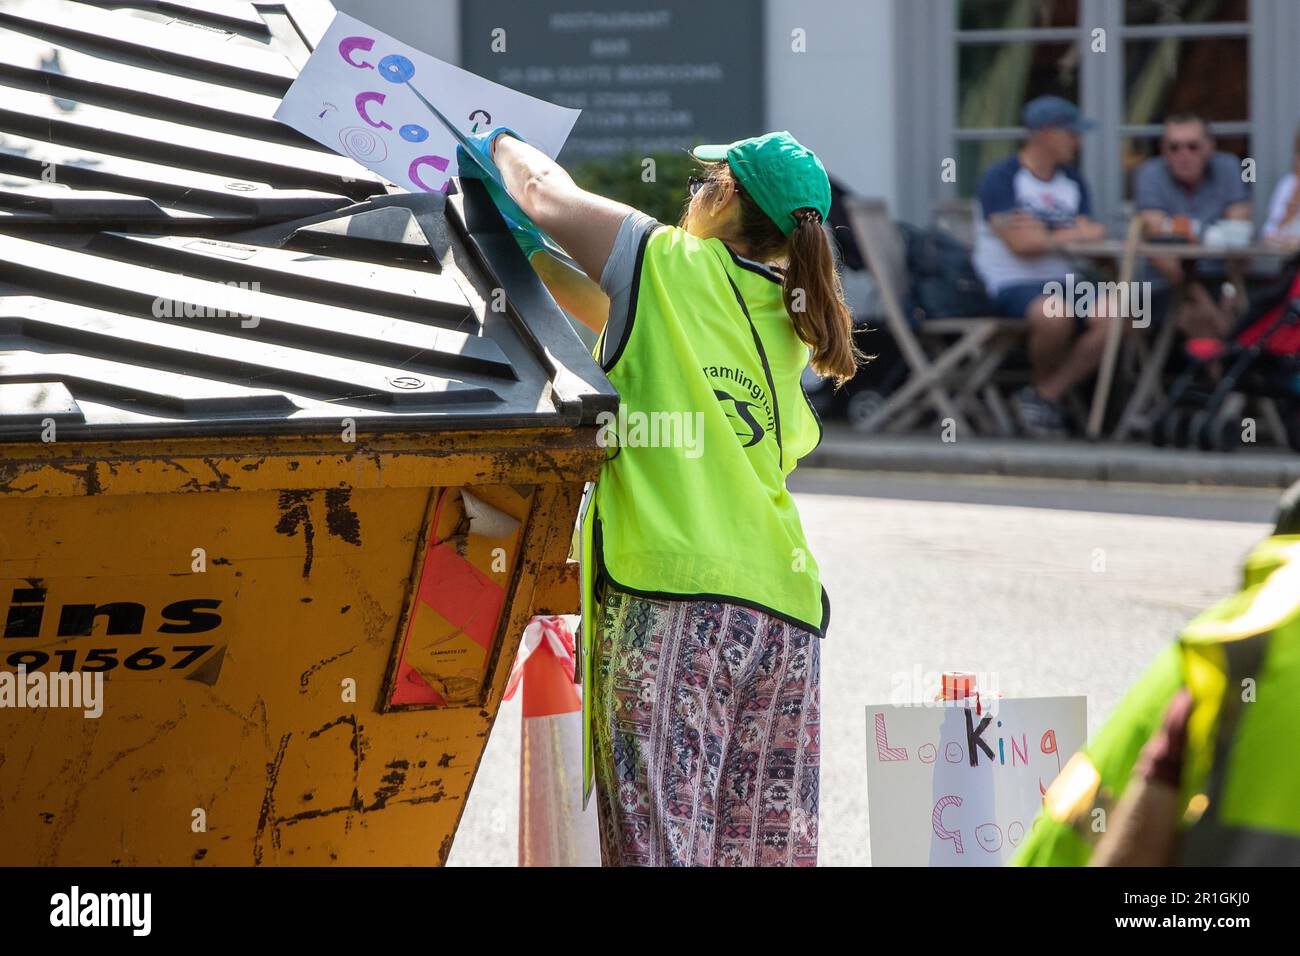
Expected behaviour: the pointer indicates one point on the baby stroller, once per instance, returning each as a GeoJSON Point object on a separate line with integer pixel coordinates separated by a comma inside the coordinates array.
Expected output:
{"type": "Point", "coordinates": [1260, 359]}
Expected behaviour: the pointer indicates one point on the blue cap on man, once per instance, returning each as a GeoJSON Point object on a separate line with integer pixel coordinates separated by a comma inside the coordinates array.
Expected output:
{"type": "Point", "coordinates": [1045, 111]}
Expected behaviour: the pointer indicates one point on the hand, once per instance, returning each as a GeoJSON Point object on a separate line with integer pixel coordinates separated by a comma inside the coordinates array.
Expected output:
{"type": "Point", "coordinates": [1284, 242]}
{"type": "Point", "coordinates": [1020, 222]}
{"type": "Point", "coordinates": [1091, 231]}
{"type": "Point", "coordinates": [1080, 230]}
{"type": "Point", "coordinates": [481, 156]}
{"type": "Point", "coordinates": [471, 168]}
{"type": "Point", "coordinates": [529, 237]}
{"type": "Point", "coordinates": [1023, 232]}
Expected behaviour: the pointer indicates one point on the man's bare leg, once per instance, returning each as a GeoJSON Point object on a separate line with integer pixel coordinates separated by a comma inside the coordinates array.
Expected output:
{"type": "Point", "coordinates": [1082, 360]}
{"type": "Point", "coordinates": [1049, 340]}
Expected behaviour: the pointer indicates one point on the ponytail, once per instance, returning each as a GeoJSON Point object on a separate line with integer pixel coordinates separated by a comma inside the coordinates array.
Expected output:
{"type": "Point", "coordinates": [814, 298]}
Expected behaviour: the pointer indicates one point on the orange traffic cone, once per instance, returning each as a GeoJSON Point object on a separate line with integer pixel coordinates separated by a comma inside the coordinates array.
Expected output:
{"type": "Point", "coordinates": [554, 830]}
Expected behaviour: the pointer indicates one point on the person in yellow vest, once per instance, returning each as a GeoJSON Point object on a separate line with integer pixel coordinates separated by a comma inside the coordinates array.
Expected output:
{"type": "Point", "coordinates": [1197, 766]}
{"type": "Point", "coordinates": [703, 605]}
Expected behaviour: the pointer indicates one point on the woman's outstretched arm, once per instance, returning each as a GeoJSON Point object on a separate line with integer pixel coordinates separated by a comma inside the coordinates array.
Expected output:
{"type": "Point", "coordinates": [583, 223]}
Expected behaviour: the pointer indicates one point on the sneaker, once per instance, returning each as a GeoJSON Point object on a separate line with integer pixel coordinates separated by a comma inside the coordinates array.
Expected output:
{"type": "Point", "coordinates": [1039, 417]}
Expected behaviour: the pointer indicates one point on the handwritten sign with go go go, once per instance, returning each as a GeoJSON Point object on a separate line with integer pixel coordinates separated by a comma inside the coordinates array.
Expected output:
{"type": "Point", "coordinates": [360, 95]}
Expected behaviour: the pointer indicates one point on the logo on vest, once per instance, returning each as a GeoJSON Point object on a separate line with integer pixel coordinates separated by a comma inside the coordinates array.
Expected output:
{"type": "Point", "coordinates": [744, 401]}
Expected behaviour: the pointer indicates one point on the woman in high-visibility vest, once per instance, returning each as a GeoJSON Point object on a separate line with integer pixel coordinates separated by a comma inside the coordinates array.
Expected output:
{"type": "Point", "coordinates": [703, 604]}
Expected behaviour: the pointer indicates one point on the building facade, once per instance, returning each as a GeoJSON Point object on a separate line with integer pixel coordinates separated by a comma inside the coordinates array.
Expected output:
{"type": "Point", "coordinates": [904, 99]}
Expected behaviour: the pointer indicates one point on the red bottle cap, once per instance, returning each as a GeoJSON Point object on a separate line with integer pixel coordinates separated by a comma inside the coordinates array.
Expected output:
{"type": "Point", "coordinates": [958, 685]}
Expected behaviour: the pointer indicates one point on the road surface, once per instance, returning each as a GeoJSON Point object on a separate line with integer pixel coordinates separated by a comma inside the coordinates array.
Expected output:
{"type": "Point", "coordinates": [1056, 587]}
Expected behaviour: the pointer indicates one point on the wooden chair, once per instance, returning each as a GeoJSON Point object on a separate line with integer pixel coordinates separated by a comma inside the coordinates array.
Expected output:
{"type": "Point", "coordinates": [957, 218]}
{"type": "Point", "coordinates": [951, 361]}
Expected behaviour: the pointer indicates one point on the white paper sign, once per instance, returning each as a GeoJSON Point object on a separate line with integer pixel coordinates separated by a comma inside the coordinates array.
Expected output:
{"type": "Point", "coordinates": [357, 95]}
{"type": "Point", "coordinates": [950, 786]}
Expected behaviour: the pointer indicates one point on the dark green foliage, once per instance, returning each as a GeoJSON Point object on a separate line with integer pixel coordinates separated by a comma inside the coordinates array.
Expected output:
{"type": "Point", "coordinates": [622, 180]}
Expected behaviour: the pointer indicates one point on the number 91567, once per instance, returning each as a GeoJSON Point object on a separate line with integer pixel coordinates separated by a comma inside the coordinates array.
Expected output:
{"type": "Point", "coordinates": [141, 660]}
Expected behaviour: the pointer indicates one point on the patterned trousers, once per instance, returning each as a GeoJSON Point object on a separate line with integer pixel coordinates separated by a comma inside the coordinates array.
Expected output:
{"type": "Point", "coordinates": [706, 727]}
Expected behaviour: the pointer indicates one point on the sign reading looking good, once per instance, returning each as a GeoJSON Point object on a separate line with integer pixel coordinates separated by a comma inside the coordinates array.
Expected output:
{"type": "Point", "coordinates": [959, 784]}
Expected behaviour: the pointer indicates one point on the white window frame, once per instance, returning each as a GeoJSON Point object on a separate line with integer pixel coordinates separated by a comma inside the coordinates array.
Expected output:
{"type": "Point", "coordinates": [926, 95]}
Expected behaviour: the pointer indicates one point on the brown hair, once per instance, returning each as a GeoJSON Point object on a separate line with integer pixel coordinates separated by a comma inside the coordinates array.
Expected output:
{"type": "Point", "coordinates": [814, 298]}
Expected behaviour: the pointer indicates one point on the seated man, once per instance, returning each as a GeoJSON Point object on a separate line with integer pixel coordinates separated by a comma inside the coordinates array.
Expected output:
{"type": "Point", "coordinates": [1191, 181]}
{"type": "Point", "coordinates": [1030, 205]}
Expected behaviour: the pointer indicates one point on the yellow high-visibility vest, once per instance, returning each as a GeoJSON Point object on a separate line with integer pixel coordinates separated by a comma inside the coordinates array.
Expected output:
{"type": "Point", "coordinates": [1240, 785]}
{"type": "Point", "coordinates": [691, 503]}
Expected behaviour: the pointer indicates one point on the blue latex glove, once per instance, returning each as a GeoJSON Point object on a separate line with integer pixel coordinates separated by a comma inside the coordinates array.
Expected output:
{"type": "Point", "coordinates": [479, 165]}
{"type": "Point", "coordinates": [482, 154]}
{"type": "Point", "coordinates": [470, 168]}
{"type": "Point", "coordinates": [508, 207]}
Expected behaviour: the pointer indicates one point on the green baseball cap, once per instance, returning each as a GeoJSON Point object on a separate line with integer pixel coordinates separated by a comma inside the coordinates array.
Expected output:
{"type": "Point", "coordinates": [779, 172]}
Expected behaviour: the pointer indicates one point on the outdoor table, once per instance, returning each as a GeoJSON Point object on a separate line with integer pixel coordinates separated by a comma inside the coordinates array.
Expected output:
{"type": "Point", "coordinates": [1126, 252]}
